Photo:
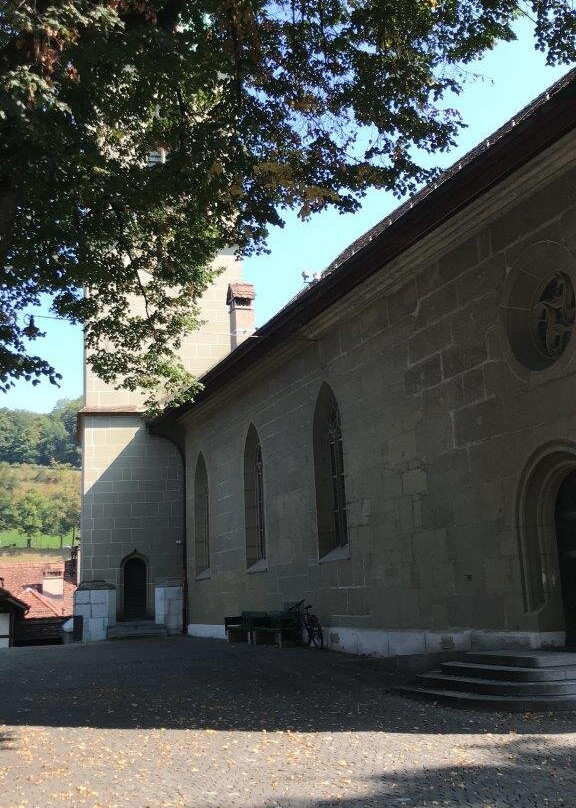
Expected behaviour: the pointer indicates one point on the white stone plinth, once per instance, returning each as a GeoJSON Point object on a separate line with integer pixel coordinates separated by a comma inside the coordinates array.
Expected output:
{"type": "Point", "coordinates": [168, 606]}
{"type": "Point", "coordinates": [95, 602]}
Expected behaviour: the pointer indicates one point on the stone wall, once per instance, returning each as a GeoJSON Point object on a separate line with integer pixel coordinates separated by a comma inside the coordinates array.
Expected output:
{"type": "Point", "coordinates": [199, 351]}
{"type": "Point", "coordinates": [438, 427]}
{"type": "Point", "coordinates": [95, 602]}
{"type": "Point", "coordinates": [132, 482]}
{"type": "Point", "coordinates": [169, 605]}
{"type": "Point", "coordinates": [132, 502]}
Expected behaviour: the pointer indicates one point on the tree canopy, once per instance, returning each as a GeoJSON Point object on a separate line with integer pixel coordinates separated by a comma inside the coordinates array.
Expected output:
{"type": "Point", "coordinates": [38, 500]}
{"type": "Point", "coordinates": [259, 106]}
{"type": "Point", "coordinates": [42, 439]}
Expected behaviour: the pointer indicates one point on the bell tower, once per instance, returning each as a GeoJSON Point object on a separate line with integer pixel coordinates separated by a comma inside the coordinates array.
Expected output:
{"type": "Point", "coordinates": [200, 350]}
{"type": "Point", "coordinates": [133, 487]}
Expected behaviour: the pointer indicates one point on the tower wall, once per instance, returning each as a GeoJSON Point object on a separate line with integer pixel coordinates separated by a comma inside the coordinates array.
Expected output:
{"type": "Point", "coordinates": [133, 497]}
{"type": "Point", "coordinates": [132, 503]}
{"type": "Point", "coordinates": [200, 350]}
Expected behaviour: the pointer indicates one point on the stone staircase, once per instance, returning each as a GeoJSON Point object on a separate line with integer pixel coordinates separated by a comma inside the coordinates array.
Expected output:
{"type": "Point", "coordinates": [136, 629]}
{"type": "Point", "coordinates": [517, 681]}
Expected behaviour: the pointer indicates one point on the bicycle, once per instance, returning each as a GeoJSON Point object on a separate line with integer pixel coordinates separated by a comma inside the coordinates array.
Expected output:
{"type": "Point", "coordinates": [308, 628]}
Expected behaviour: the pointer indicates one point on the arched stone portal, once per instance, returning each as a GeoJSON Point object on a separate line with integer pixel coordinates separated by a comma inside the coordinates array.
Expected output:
{"type": "Point", "coordinates": [547, 536]}
{"type": "Point", "coordinates": [135, 575]}
{"type": "Point", "coordinates": [565, 518]}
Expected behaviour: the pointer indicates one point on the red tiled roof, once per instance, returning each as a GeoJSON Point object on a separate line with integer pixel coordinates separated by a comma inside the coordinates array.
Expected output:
{"type": "Point", "coordinates": [40, 605]}
{"type": "Point", "coordinates": [23, 579]}
{"type": "Point", "coordinates": [8, 597]}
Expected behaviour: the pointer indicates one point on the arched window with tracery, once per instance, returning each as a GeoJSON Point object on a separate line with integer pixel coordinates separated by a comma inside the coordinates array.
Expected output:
{"type": "Point", "coordinates": [201, 518]}
{"type": "Point", "coordinates": [329, 474]}
{"type": "Point", "coordinates": [254, 503]}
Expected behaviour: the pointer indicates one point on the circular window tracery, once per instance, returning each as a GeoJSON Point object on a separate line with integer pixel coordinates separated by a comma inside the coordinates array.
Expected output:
{"type": "Point", "coordinates": [554, 313]}
{"type": "Point", "coordinates": [539, 311]}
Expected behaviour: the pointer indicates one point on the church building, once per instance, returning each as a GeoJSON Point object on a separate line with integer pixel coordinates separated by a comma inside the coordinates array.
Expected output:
{"type": "Point", "coordinates": [397, 445]}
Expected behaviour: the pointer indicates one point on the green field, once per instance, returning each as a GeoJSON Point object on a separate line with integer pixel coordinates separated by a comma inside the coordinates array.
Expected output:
{"type": "Point", "coordinates": [11, 538]}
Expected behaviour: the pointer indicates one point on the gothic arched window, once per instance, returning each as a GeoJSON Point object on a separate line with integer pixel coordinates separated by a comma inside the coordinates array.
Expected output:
{"type": "Point", "coordinates": [329, 474]}
{"type": "Point", "coordinates": [201, 517]}
{"type": "Point", "coordinates": [254, 500]}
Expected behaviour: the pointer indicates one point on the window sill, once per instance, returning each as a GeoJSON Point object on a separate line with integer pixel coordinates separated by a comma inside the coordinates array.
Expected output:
{"type": "Point", "coordinates": [337, 554]}
{"type": "Point", "coordinates": [202, 576]}
{"type": "Point", "coordinates": [258, 566]}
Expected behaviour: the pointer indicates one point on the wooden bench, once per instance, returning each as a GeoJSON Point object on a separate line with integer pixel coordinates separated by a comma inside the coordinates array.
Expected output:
{"type": "Point", "coordinates": [240, 627]}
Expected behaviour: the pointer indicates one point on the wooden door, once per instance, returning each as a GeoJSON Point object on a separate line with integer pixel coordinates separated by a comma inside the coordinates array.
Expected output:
{"type": "Point", "coordinates": [135, 589]}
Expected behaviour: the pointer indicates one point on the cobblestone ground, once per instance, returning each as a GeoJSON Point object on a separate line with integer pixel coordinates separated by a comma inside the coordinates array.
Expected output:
{"type": "Point", "coordinates": [183, 722]}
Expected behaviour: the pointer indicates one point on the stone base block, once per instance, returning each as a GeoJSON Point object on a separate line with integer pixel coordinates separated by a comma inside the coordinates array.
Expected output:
{"type": "Point", "coordinates": [216, 631]}
{"type": "Point", "coordinates": [168, 606]}
{"type": "Point", "coordinates": [382, 643]}
{"type": "Point", "coordinates": [496, 640]}
{"type": "Point", "coordinates": [95, 602]}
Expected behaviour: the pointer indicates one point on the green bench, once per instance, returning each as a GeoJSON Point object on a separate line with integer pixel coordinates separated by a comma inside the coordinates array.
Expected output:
{"type": "Point", "coordinates": [262, 628]}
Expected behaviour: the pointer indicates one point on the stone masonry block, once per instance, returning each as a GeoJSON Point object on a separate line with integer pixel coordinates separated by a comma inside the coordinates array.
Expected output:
{"type": "Point", "coordinates": [458, 260]}
{"type": "Point", "coordinates": [99, 596]}
{"type": "Point", "coordinates": [473, 385]}
{"type": "Point", "coordinates": [479, 421]}
{"type": "Point", "coordinates": [425, 374]}
{"type": "Point", "coordinates": [463, 357]}
{"type": "Point", "coordinates": [486, 277]}
{"type": "Point", "coordinates": [402, 643]}
{"type": "Point", "coordinates": [530, 214]}
{"type": "Point", "coordinates": [436, 305]}
{"type": "Point", "coordinates": [175, 606]}
{"type": "Point", "coordinates": [427, 280]}
{"type": "Point", "coordinates": [415, 482]}
{"type": "Point", "coordinates": [95, 629]}
{"type": "Point", "coordinates": [83, 610]}
{"type": "Point", "coordinates": [443, 397]}
{"type": "Point", "coordinates": [436, 514]}
{"type": "Point", "coordinates": [100, 610]}
{"type": "Point", "coordinates": [373, 320]}
{"type": "Point", "coordinates": [81, 596]}
{"type": "Point", "coordinates": [428, 341]}
{"type": "Point", "coordinates": [373, 643]}
{"type": "Point", "coordinates": [471, 322]}
{"type": "Point", "coordinates": [402, 303]}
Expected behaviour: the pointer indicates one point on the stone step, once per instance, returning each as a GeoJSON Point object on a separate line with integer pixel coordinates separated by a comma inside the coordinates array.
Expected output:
{"type": "Point", "coordinates": [136, 628]}
{"type": "Point", "coordinates": [502, 680]}
{"type": "Point", "coordinates": [523, 659]}
{"type": "Point", "coordinates": [496, 687]}
{"type": "Point", "coordinates": [508, 673]}
{"type": "Point", "coordinates": [478, 701]}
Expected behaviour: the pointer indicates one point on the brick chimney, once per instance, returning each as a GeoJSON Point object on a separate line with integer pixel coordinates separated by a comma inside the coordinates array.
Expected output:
{"type": "Point", "coordinates": [71, 566]}
{"type": "Point", "coordinates": [53, 583]}
{"type": "Point", "coordinates": [239, 299]}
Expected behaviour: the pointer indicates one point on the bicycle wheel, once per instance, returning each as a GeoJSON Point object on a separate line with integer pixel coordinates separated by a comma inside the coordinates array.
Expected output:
{"type": "Point", "coordinates": [302, 633]}
{"type": "Point", "coordinates": [315, 634]}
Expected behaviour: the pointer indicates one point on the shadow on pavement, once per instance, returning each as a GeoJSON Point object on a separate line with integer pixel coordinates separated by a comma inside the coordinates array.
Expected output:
{"type": "Point", "coordinates": [186, 683]}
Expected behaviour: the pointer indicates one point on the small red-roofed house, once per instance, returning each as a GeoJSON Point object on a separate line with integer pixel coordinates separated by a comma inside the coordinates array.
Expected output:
{"type": "Point", "coordinates": [46, 591]}
{"type": "Point", "coordinates": [11, 609]}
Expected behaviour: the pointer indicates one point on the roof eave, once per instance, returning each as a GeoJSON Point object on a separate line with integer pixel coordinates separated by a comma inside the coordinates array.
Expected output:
{"type": "Point", "coordinates": [547, 123]}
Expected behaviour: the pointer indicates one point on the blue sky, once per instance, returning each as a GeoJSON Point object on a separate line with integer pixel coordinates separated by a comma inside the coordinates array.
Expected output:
{"type": "Point", "coordinates": [510, 77]}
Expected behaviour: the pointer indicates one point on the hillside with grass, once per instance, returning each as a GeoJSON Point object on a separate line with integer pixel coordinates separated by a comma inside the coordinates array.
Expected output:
{"type": "Point", "coordinates": [39, 479]}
